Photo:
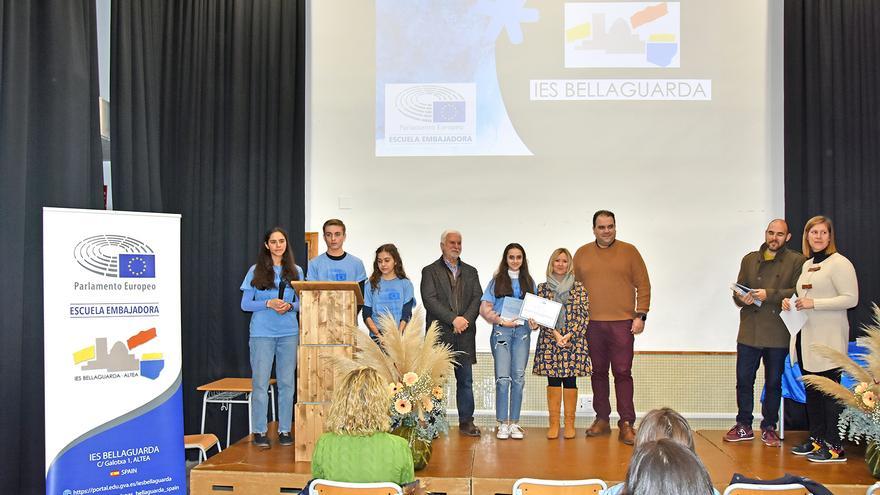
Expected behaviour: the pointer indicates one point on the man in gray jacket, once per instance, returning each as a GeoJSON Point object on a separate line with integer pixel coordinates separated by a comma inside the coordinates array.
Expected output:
{"type": "Point", "coordinates": [451, 294]}
{"type": "Point", "coordinates": [771, 273]}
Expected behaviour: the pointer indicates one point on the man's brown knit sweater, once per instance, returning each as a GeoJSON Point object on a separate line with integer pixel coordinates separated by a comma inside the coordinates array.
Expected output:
{"type": "Point", "coordinates": [616, 279]}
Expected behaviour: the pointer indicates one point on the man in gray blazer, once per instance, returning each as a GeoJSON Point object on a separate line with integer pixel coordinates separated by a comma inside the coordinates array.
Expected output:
{"type": "Point", "coordinates": [451, 294]}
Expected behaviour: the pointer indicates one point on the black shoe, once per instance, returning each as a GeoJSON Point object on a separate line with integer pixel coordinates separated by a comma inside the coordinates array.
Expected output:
{"type": "Point", "coordinates": [469, 429]}
{"type": "Point", "coordinates": [261, 440]}
{"type": "Point", "coordinates": [285, 439]}
{"type": "Point", "coordinates": [808, 447]}
{"type": "Point", "coordinates": [827, 453]}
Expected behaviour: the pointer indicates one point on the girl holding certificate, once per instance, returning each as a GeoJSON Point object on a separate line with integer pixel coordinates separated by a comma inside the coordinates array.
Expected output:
{"type": "Point", "coordinates": [510, 337]}
{"type": "Point", "coordinates": [562, 354]}
{"type": "Point", "coordinates": [388, 291]}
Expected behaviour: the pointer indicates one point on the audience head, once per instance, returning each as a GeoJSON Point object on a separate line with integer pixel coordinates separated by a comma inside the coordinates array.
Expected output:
{"type": "Point", "coordinates": [360, 404]}
{"type": "Point", "coordinates": [666, 467]}
{"type": "Point", "coordinates": [819, 236]}
{"type": "Point", "coordinates": [560, 263]}
{"type": "Point", "coordinates": [665, 423]}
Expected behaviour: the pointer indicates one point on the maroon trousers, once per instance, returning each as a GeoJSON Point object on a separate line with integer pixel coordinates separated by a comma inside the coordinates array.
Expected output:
{"type": "Point", "coordinates": [611, 345]}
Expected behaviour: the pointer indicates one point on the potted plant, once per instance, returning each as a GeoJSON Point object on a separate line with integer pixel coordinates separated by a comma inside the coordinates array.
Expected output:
{"type": "Point", "coordinates": [416, 366]}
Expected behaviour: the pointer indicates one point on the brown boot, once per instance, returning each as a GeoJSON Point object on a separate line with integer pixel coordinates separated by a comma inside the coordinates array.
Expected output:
{"type": "Point", "coordinates": [627, 433]}
{"type": "Point", "coordinates": [569, 397]}
{"type": "Point", "coordinates": [554, 398]}
{"type": "Point", "coordinates": [599, 427]}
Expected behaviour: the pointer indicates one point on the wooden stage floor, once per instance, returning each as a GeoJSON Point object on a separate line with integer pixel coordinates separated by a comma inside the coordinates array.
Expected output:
{"type": "Point", "coordinates": [485, 466]}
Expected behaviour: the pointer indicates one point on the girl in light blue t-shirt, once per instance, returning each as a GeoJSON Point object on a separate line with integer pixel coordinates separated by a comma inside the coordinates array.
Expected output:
{"type": "Point", "coordinates": [389, 291]}
{"type": "Point", "coordinates": [274, 333]}
{"type": "Point", "coordinates": [510, 338]}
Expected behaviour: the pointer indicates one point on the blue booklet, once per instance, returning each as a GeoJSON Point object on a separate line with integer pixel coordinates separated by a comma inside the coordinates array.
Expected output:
{"type": "Point", "coordinates": [510, 308]}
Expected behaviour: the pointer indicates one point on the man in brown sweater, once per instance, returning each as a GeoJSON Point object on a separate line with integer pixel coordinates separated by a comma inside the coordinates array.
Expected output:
{"type": "Point", "coordinates": [771, 272]}
{"type": "Point", "coordinates": [620, 293]}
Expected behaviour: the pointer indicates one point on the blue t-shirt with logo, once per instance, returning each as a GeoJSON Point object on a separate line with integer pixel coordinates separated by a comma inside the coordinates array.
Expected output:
{"type": "Point", "coordinates": [349, 269]}
{"type": "Point", "coordinates": [391, 296]}
{"type": "Point", "coordinates": [265, 322]}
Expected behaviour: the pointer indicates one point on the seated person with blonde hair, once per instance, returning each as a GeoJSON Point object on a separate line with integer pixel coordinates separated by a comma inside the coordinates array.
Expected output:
{"type": "Point", "coordinates": [660, 424]}
{"type": "Point", "coordinates": [357, 447]}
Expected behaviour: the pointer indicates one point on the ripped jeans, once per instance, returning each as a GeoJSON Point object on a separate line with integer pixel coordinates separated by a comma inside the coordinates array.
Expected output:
{"type": "Point", "coordinates": [510, 348]}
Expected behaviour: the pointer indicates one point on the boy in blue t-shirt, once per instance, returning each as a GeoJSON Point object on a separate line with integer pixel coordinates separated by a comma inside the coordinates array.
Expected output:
{"type": "Point", "coordinates": [335, 265]}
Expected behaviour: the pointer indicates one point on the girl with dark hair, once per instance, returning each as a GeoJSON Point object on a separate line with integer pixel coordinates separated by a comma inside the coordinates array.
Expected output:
{"type": "Point", "coordinates": [389, 291]}
{"type": "Point", "coordinates": [510, 338]}
{"type": "Point", "coordinates": [274, 332]}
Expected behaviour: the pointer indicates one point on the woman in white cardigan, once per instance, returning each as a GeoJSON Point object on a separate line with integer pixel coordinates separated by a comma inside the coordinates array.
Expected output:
{"type": "Point", "coordinates": [826, 288]}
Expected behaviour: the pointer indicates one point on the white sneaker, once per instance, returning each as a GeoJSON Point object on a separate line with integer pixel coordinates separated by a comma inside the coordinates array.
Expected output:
{"type": "Point", "coordinates": [516, 431]}
{"type": "Point", "coordinates": [503, 432]}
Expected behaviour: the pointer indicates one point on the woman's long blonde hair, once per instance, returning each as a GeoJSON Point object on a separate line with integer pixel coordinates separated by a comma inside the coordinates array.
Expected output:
{"type": "Point", "coordinates": [360, 404]}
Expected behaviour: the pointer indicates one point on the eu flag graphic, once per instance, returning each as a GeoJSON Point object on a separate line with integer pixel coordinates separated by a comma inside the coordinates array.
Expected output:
{"type": "Point", "coordinates": [137, 266]}
{"type": "Point", "coordinates": [448, 111]}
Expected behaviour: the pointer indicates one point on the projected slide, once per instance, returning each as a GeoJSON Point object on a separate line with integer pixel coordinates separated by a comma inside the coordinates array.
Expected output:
{"type": "Point", "coordinates": [437, 91]}
{"type": "Point", "coordinates": [622, 34]}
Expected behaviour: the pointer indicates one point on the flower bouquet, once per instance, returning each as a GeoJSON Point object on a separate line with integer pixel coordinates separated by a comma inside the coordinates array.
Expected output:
{"type": "Point", "coordinates": [415, 366]}
{"type": "Point", "coordinates": [860, 419]}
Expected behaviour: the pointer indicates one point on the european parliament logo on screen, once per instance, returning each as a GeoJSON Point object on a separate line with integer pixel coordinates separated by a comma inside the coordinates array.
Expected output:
{"type": "Point", "coordinates": [116, 256]}
{"type": "Point", "coordinates": [429, 118]}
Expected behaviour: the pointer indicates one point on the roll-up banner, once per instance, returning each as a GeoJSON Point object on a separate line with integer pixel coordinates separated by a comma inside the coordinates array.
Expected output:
{"type": "Point", "coordinates": [111, 303]}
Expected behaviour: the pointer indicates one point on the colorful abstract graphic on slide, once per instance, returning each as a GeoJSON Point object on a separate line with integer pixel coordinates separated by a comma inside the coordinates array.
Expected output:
{"type": "Point", "coordinates": [622, 34]}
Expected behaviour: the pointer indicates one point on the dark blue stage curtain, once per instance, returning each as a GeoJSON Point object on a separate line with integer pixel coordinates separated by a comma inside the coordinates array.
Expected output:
{"type": "Point", "coordinates": [50, 155]}
{"type": "Point", "coordinates": [207, 117]}
{"type": "Point", "coordinates": [832, 130]}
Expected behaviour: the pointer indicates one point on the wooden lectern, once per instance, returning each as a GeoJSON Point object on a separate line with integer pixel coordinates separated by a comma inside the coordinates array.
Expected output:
{"type": "Point", "coordinates": [327, 311]}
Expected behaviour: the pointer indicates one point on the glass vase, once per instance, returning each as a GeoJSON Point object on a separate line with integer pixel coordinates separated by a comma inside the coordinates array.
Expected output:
{"type": "Point", "coordinates": [872, 458]}
{"type": "Point", "coordinates": [420, 449]}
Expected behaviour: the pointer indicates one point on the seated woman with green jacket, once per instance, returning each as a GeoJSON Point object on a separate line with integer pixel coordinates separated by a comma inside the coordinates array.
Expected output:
{"type": "Point", "coordinates": [357, 447]}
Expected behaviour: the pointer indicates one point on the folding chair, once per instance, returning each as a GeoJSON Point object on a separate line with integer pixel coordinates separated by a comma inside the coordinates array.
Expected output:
{"type": "Point", "coordinates": [203, 442]}
{"type": "Point", "coordinates": [758, 489]}
{"type": "Point", "coordinates": [531, 486]}
{"type": "Point", "coordinates": [327, 487]}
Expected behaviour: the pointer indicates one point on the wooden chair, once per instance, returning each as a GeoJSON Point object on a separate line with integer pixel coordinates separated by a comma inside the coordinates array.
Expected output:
{"type": "Point", "coordinates": [531, 486]}
{"type": "Point", "coordinates": [873, 489]}
{"type": "Point", "coordinates": [758, 489]}
{"type": "Point", "coordinates": [327, 487]}
{"type": "Point", "coordinates": [203, 442]}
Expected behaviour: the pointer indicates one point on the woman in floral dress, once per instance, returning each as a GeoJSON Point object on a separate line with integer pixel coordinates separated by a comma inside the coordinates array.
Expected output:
{"type": "Point", "coordinates": [562, 353]}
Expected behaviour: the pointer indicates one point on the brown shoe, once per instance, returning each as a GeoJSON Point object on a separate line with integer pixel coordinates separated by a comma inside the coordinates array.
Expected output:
{"type": "Point", "coordinates": [627, 433]}
{"type": "Point", "coordinates": [469, 429]}
{"type": "Point", "coordinates": [599, 427]}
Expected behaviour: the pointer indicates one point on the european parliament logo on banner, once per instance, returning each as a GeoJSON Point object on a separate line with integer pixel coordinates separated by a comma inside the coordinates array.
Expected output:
{"type": "Point", "coordinates": [137, 266]}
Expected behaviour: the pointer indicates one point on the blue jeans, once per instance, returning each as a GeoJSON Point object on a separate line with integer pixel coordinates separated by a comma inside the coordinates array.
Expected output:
{"type": "Point", "coordinates": [464, 390]}
{"type": "Point", "coordinates": [510, 348]}
{"type": "Point", "coordinates": [747, 360]}
{"type": "Point", "coordinates": [263, 351]}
